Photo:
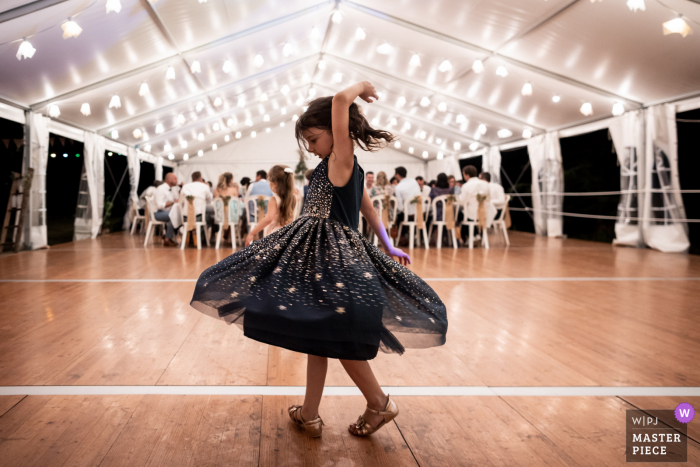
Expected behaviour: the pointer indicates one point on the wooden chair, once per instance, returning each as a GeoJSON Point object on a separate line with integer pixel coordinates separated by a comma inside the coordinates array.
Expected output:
{"type": "Point", "coordinates": [200, 207]}
{"type": "Point", "coordinates": [378, 204]}
{"type": "Point", "coordinates": [412, 226]}
{"type": "Point", "coordinates": [251, 207]}
{"type": "Point", "coordinates": [439, 221]}
{"type": "Point", "coordinates": [151, 216]}
{"type": "Point", "coordinates": [234, 214]}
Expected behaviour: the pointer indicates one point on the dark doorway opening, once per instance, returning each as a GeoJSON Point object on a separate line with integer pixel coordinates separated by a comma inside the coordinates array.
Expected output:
{"type": "Point", "coordinates": [688, 170]}
{"type": "Point", "coordinates": [63, 172]}
{"type": "Point", "coordinates": [147, 176]}
{"type": "Point", "coordinates": [516, 177]}
{"type": "Point", "coordinates": [590, 164]}
{"type": "Point", "coordinates": [11, 156]}
{"type": "Point", "coordinates": [117, 189]}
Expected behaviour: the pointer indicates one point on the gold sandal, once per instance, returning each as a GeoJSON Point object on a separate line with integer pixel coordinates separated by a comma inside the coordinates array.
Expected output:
{"type": "Point", "coordinates": [312, 428]}
{"type": "Point", "coordinates": [363, 428]}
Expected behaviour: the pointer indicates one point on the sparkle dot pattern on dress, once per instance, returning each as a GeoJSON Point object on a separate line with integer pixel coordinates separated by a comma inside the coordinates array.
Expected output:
{"type": "Point", "coordinates": [317, 286]}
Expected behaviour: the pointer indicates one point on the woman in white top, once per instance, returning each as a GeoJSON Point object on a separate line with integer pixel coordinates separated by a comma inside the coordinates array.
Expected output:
{"type": "Point", "coordinates": [282, 206]}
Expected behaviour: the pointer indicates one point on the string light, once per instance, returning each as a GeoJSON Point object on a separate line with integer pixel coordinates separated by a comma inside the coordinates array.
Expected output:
{"type": "Point", "coordinates": [137, 133]}
{"type": "Point", "coordinates": [241, 102]}
{"type": "Point", "coordinates": [147, 148]}
{"type": "Point", "coordinates": [677, 26]}
{"type": "Point", "coordinates": [422, 134]}
{"type": "Point", "coordinates": [295, 117]}
{"type": "Point", "coordinates": [85, 109]}
{"type": "Point", "coordinates": [115, 102]}
{"type": "Point", "coordinates": [401, 101]}
{"type": "Point", "coordinates": [25, 50]}
{"type": "Point", "coordinates": [218, 102]}
{"type": "Point", "coordinates": [229, 122]}
{"type": "Point", "coordinates": [392, 122]}
{"type": "Point", "coordinates": [171, 156]}
{"type": "Point", "coordinates": [556, 99]}
{"type": "Point", "coordinates": [473, 146]}
{"type": "Point", "coordinates": [425, 102]}
{"type": "Point", "coordinates": [200, 137]}
{"type": "Point", "coordinates": [322, 65]}
{"type": "Point", "coordinates": [478, 66]}
{"type": "Point", "coordinates": [504, 133]}
{"type": "Point", "coordinates": [385, 49]}
{"type": "Point", "coordinates": [501, 71]}
{"type": "Point", "coordinates": [587, 109]}
{"type": "Point", "coordinates": [248, 122]}
{"type": "Point", "coordinates": [337, 17]}
{"type": "Point", "coordinates": [415, 60]}
{"type": "Point", "coordinates": [438, 140]}
{"type": "Point", "coordinates": [282, 124]}
{"type": "Point", "coordinates": [397, 145]}
{"type": "Point", "coordinates": [440, 156]}
{"type": "Point", "coordinates": [287, 49]}
{"type": "Point", "coordinates": [527, 133]}
{"type": "Point", "coordinates": [315, 34]}
{"type": "Point", "coordinates": [460, 118]}
{"type": "Point", "coordinates": [338, 77]}
{"type": "Point", "coordinates": [185, 156]}
{"type": "Point", "coordinates": [143, 90]}
{"type": "Point", "coordinates": [238, 135]}
{"type": "Point", "coordinates": [200, 153]}
{"type": "Point", "coordinates": [214, 147]}
{"type": "Point", "coordinates": [284, 90]}
{"type": "Point", "coordinates": [266, 118]}
{"type": "Point", "coordinates": [113, 5]}
{"type": "Point", "coordinates": [263, 97]}
{"type": "Point", "coordinates": [527, 89]}
{"type": "Point", "coordinates": [482, 129]}
{"type": "Point", "coordinates": [457, 146]}
{"type": "Point", "coordinates": [360, 34]}
{"type": "Point", "coordinates": [167, 147]}
{"type": "Point", "coordinates": [71, 29]}
{"type": "Point", "coordinates": [199, 106]}
{"type": "Point", "coordinates": [635, 5]}
{"type": "Point", "coordinates": [170, 73]}
{"type": "Point", "coordinates": [267, 130]}
{"type": "Point", "coordinates": [283, 111]}
{"type": "Point", "coordinates": [445, 66]}
{"type": "Point", "coordinates": [375, 121]}
{"type": "Point", "coordinates": [227, 138]}
{"type": "Point", "coordinates": [406, 127]}
{"type": "Point", "coordinates": [258, 60]}
{"type": "Point", "coordinates": [181, 119]}
{"type": "Point", "coordinates": [195, 68]}
{"type": "Point", "coordinates": [477, 135]}
{"type": "Point", "coordinates": [618, 109]}
{"type": "Point", "coordinates": [228, 66]}
{"type": "Point", "coordinates": [253, 134]}
{"type": "Point", "coordinates": [159, 128]}
{"type": "Point", "coordinates": [410, 150]}
{"type": "Point", "coordinates": [442, 106]}
{"type": "Point", "coordinates": [312, 92]}
{"type": "Point", "coordinates": [115, 134]}
{"type": "Point", "coordinates": [425, 154]}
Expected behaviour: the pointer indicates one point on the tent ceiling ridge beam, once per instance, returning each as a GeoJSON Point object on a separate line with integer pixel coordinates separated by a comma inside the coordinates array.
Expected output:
{"type": "Point", "coordinates": [435, 125]}
{"type": "Point", "coordinates": [12, 103]}
{"type": "Point", "coordinates": [27, 9]}
{"type": "Point", "coordinates": [151, 113]}
{"type": "Point", "coordinates": [490, 53]}
{"type": "Point", "coordinates": [168, 59]}
{"type": "Point", "coordinates": [323, 44]}
{"type": "Point", "coordinates": [431, 91]}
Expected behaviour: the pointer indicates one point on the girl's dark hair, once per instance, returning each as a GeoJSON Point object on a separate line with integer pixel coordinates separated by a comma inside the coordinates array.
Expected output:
{"type": "Point", "coordinates": [318, 115]}
{"type": "Point", "coordinates": [442, 181]}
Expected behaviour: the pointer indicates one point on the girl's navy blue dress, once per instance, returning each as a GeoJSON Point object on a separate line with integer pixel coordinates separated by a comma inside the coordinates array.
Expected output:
{"type": "Point", "coordinates": [317, 286]}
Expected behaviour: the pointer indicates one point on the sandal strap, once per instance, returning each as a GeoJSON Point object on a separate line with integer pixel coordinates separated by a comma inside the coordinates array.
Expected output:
{"type": "Point", "coordinates": [382, 412]}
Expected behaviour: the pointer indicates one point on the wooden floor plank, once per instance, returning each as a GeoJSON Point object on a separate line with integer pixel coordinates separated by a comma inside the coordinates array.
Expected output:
{"type": "Point", "coordinates": [7, 402]}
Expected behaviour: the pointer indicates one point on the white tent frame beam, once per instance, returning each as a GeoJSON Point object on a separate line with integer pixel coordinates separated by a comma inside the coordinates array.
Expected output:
{"type": "Point", "coordinates": [169, 59]}
{"type": "Point", "coordinates": [490, 53]}
{"type": "Point", "coordinates": [200, 95]}
{"type": "Point", "coordinates": [27, 9]}
{"type": "Point", "coordinates": [434, 92]}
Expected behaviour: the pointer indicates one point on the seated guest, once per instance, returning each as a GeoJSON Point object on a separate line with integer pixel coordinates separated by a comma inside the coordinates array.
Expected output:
{"type": "Point", "coordinates": [453, 184]}
{"type": "Point", "coordinates": [211, 188]}
{"type": "Point", "coordinates": [425, 189]}
{"type": "Point", "coordinates": [394, 181]}
{"type": "Point", "coordinates": [442, 187]}
{"type": "Point", "coordinates": [244, 184]}
{"type": "Point", "coordinates": [381, 186]}
{"type": "Point", "coordinates": [498, 195]}
{"type": "Point", "coordinates": [261, 186]}
{"type": "Point", "coordinates": [369, 181]}
{"type": "Point", "coordinates": [164, 199]}
{"type": "Point", "coordinates": [432, 183]}
{"type": "Point", "coordinates": [406, 189]}
{"type": "Point", "coordinates": [468, 197]}
{"type": "Point", "coordinates": [198, 189]}
{"type": "Point", "coordinates": [224, 187]}
{"type": "Point", "coordinates": [150, 191]}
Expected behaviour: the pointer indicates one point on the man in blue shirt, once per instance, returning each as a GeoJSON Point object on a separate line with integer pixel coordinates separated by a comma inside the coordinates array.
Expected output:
{"type": "Point", "coordinates": [261, 186]}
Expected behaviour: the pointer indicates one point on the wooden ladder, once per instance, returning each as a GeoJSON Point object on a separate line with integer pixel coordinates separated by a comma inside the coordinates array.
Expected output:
{"type": "Point", "coordinates": [11, 237]}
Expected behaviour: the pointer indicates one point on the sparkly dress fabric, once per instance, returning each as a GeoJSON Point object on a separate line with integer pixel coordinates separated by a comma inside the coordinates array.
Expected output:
{"type": "Point", "coordinates": [317, 286]}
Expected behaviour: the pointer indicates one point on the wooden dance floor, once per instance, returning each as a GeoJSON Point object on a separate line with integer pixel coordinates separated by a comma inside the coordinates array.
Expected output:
{"type": "Point", "coordinates": [550, 342]}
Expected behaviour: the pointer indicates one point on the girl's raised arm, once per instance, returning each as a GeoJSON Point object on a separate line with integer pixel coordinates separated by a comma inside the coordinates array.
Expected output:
{"type": "Point", "coordinates": [340, 115]}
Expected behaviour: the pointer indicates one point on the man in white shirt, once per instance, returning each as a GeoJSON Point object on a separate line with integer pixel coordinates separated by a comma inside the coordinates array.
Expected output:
{"type": "Point", "coordinates": [164, 199]}
{"type": "Point", "coordinates": [498, 195]}
{"type": "Point", "coordinates": [407, 189]}
{"type": "Point", "coordinates": [425, 189]}
{"type": "Point", "coordinates": [199, 189]}
{"type": "Point", "coordinates": [472, 187]}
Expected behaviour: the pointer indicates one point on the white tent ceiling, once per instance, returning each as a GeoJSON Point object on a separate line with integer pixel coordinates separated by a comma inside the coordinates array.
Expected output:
{"type": "Point", "coordinates": [599, 52]}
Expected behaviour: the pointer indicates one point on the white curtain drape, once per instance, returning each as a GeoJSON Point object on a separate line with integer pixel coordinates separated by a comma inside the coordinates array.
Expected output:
{"type": "Point", "coordinates": [449, 165]}
{"type": "Point", "coordinates": [134, 164]}
{"type": "Point", "coordinates": [88, 219]}
{"type": "Point", "coordinates": [492, 163]}
{"type": "Point", "coordinates": [663, 205]}
{"type": "Point", "coordinates": [159, 168]}
{"type": "Point", "coordinates": [628, 138]}
{"type": "Point", "coordinates": [547, 183]}
{"type": "Point", "coordinates": [38, 159]}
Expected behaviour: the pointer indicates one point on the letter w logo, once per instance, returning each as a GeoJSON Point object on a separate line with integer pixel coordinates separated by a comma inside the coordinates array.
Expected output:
{"type": "Point", "coordinates": [685, 413]}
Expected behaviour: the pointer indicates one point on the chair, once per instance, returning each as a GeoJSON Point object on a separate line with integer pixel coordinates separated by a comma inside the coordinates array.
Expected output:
{"type": "Point", "coordinates": [200, 207]}
{"type": "Point", "coordinates": [500, 221]}
{"type": "Point", "coordinates": [378, 204]}
{"type": "Point", "coordinates": [472, 224]}
{"type": "Point", "coordinates": [151, 216]}
{"type": "Point", "coordinates": [251, 207]}
{"type": "Point", "coordinates": [136, 218]}
{"type": "Point", "coordinates": [412, 226]}
{"type": "Point", "coordinates": [440, 222]}
{"type": "Point", "coordinates": [234, 214]}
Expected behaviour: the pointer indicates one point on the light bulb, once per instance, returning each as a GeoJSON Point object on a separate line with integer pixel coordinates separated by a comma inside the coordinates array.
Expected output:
{"type": "Point", "coordinates": [200, 153]}
{"type": "Point", "coordinates": [587, 109]}
{"type": "Point", "coordinates": [283, 111]}
{"type": "Point", "coordinates": [183, 144]}
{"type": "Point", "coordinates": [460, 118]}
{"type": "Point", "coordinates": [473, 146]}
{"type": "Point", "coordinates": [71, 29]}
{"type": "Point", "coordinates": [504, 133]}
{"type": "Point", "coordinates": [266, 118]}
{"type": "Point", "coordinates": [337, 17]}
{"type": "Point", "coordinates": [267, 130]}
{"type": "Point", "coordinates": [115, 134]}
{"type": "Point", "coordinates": [410, 150]}
{"type": "Point", "coordinates": [258, 60]}
{"type": "Point", "coordinates": [501, 71]}
{"type": "Point", "coordinates": [115, 102]}
{"type": "Point", "coordinates": [375, 121]}
{"type": "Point", "coordinates": [200, 137]}
{"type": "Point", "coordinates": [248, 122]}
{"type": "Point", "coordinates": [422, 134]}
{"type": "Point", "coordinates": [218, 101]}
{"type": "Point", "coordinates": [238, 135]}
{"type": "Point", "coordinates": [425, 154]}
{"type": "Point", "coordinates": [195, 68]}
{"type": "Point", "coordinates": [159, 128]}
{"type": "Point", "coordinates": [527, 89]}
{"type": "Point", "coordinates": [171, 156]}
{"type": "Point", "coordinates": [635, 5]}
{"type": "Point", "coordinates": [425, 102]}
{"type": "Point", "coordinates": [556, 98]}
{"type": "Point", "coordinates": [227, 138]}
{"type": "Point", "coordinates": [527, 133]}
{"type": "Point", "coordinates": [392, 122]}
{"type": "Point", "coordinates": [295, 117]}
{"type": "Point", "coordinates": [415, 60]}
{"type": "Point", "coordinates": [360, 34]}
{"type": "Point", "coordinates": [229, 122]}
{"type": "Point", "coordinates": [113, 5]}
{"type": "Point", "coordinates": [181, 119]}
{"type": "Point", "coordinates": [401, 101]}
{"type": "Point", "coordinates": [406, 126]}
{"type": "Point", "coordinates": [166, 147]}
{"type": "Point", "coordinates": [482, 129]}
{"type": "Point", "coordinates": [214, 147]}
{"type": "Point", "coordinates": [241, 102]}
{"type": "Point", "coordinates": [322, 65]}
{"type": "Point", "coordinates": [228, 66]}
{"type": "Point", "coordinates": [216, 126]}
{"type": "Point", "coordinates": [199, 106]}
{"type": "Point", "coordinates": [457, 146]}
{"type": "Point", "coordinates": [143, 90]}
{"type": "Point", "coordinates": [185, 156]}
{"type": "Point", "coordinates": [25, 50]}
{"type": "Point", "coordinates": [263, 97]}
{"type": "Point", "coordinates": [287, 49]}
{"type": "Point", "coordinates": [445, 66]}
{"type": "Point", "coordinates": [137, 133]}
{"type": "Point", "coordinates": [438, 140]}
{"type": "Point", "coordinates": [253, 134]}
{"type": "Point", "coordinates": [147, 148]}
{"type": "Point", "coordinates": [478, 66]}
{"type": "Point", "coordinates": [385, 49]}
{"type": "Point", "coordinates": [315, 34]}
{"type": "Point", "coordinates": [397, 145]}
{"type": "Point", "coordinates": [312, 92]}
{"type": "Point", "coordinates": [85, 109]}
{"type": "Point", "coordinates": [282, 124]}
{"type": "Point", "coordinates": [170, 73]}
{"type": "Point", "coordinates": [338, 77]}
{"type": "Point", "coordinates": [440, 156]}
{"type": "Point", "coordinates": [284, 90]}
{"type": "Point", "coordinates": [442, 106]}
{"type": "Point", "coordinates": [618, 109]}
